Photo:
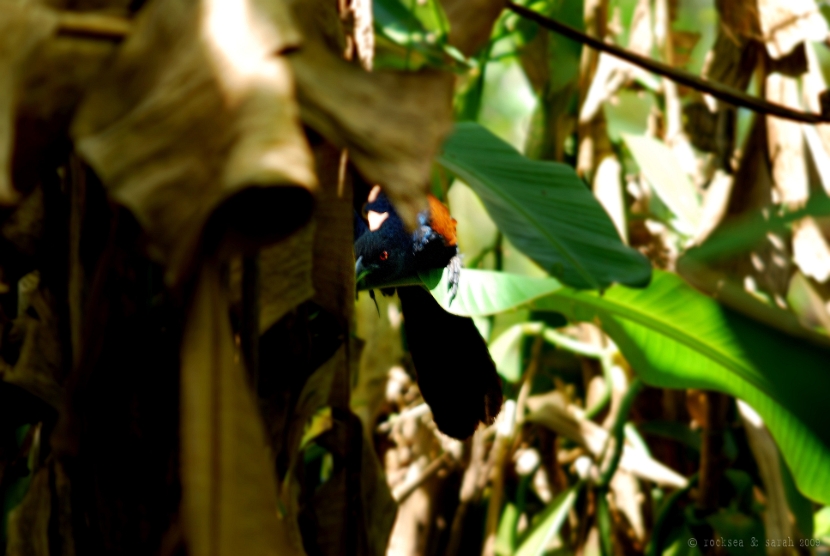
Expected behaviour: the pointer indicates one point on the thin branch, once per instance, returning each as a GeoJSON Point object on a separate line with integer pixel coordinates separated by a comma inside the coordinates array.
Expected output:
{"type": "Point", "coordinates": [717, 90]}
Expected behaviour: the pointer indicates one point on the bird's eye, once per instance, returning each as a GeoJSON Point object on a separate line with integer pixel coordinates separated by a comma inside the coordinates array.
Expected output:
{"type": "Point", "coordinates": [384, 255]}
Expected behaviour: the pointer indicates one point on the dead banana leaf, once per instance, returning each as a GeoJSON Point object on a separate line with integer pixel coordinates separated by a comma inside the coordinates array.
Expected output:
{"type": "Point", "coordinates": [552, 411]}
{"type": "Point", "coordinates": [285, 276]}
{"type": "Point", "coordinates": [364, 31]}
{"type": "Point", "coordinates": [314, 396]}
{"type": "Point", "coordinates": [23, 28]}
{"type": "Point", "coordinates": [471, 22]}
{"type": "Point", "coordinates": [194, 123]}
{"type": "Point", "coordinates": [381, 352]}
{"type": "Point", "coordinates": [787, 23]}
{"type": "Point", "coordinates": [39, 368]}
{"type": "Point", "coordinates": [391, 123]}
{"type": "Point", "coordinates": [778, 521]}
{"type": "Point", "coordinates": [229, 493]}
{"type": "Point", "coordinates": [28, 533]}
{"type": "Point", "coordinates": [333, 249]}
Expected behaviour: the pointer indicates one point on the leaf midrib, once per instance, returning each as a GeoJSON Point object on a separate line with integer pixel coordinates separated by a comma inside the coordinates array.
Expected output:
{"type": "Point", "coordinates": [617, 309]}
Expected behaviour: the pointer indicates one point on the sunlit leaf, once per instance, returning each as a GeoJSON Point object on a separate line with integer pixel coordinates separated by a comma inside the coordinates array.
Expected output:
{"type": "Point", "coordinates": [676, 337]}
{"type": "Point", "coordinates": [668, 179]}
{"type": "Point", "coordinates": [549, 523]}
{"type": "Point", "coordinates": [413, 37]}
{"type": "Point", "coordinates": [545, 211]}
{"type": "Point", "coordinates": [821, 523]}
{"type": "Point", "coordinates": [483, 293]}
{"type": "Point", "coordinates": [506, 351]}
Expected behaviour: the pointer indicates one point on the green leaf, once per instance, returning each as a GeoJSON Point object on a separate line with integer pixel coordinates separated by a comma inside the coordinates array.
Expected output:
{"type": "Point", "coordinates": [628, 114]}
{"type": "Point", "coordinates": [821, 523]}
{"type": "Point", "coordinates": [550, 522]}
{"type": "Point", "coordinates": [506, 353]}
{"type": "Point", "coordinates": [545, 211]}
{"type": "Point", "coordinates": [506, 350]}
{"type": "Point", "coordinates": [675, 337]}
{"type": "Point", "coordinates": [506, 535]}
{"type": "Point", "coordinates": [414, 36]}
{"type": "Point", "coordinates": [668, 180]}
{"type": "Point", "coordinates": [483, 293]}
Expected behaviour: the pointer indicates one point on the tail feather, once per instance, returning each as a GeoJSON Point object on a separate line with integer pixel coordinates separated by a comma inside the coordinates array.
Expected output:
{"type": "Point", "coordinates": [456, 374]}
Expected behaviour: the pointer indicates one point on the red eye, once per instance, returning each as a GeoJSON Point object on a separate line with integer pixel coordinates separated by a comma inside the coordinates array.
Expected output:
{"type": "Point", "coordinates": [384, 255]}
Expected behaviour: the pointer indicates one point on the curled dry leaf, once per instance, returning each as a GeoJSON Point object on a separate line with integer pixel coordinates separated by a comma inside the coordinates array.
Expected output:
{"type": "Point", "coordinates": [23, 28]}
{"type": "Point", "coordinates": [391, 123]}
{"type": "Point", "coordinates": [553, 412]}
{"type": "Point", "coordinates": [791, 183]}
{"type": "Point", "coordinates": [229, 493]}
{"type": "Point", "coordinates": [381, 352]}
{"type": "Point", "coordinates": [471, 22]}
{"type": "Point", "coordinates": [364, 31]}
{"type": "Point", "coordinates": [739, 19]}
{"type": "Point", "coordinates": [28, 525]}
{"type": "Point", "coordinates": [785, 144]}
{"type": "Point", "coordinates": [284, 276]}
{"type": "Point", "coordinates": [332, 250]}
{"type": "Point", "coordinates": [787, 23]}
{"type": "Point", "coordinates": [245, 173]}
{"type": "Point", "coordinates": [777, 519]}
{"type": "Point", "coordinates": [810, 250]}
{"type": "Point", "coordinates": [38, 368]}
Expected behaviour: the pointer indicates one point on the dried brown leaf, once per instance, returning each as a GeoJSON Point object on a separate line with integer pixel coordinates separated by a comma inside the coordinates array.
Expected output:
{"type": "Point", "coordinates": [284, 276]}
{"type": "Point", "coordinates": [641, 38]}
{"type": "Point", "coordinates": [28, 526]}
{"type": "Point", "coordinates": [739, 19]}
{"type": "Point", "coordinates": [608, 190]}
{"type": "Point", "coordinates": [811, 251]}
{"type": "Point", "coordinates": [553, 412]}
{"type": "Point", "coordinates": [785, 144]}
{"type": "Point", "coordinates": [353, 510]}
{"type": "Point", "coordinates": [364, 31]}
{"type": "Point", "coordinates": [39, 367]}
{"type": "Point", "coordinates": [807, 303]}
{"type": "Point", "coordinates": [715, 204]}
{"type": "Point", "coordinates": [195, 115]}
{"type": "Point", "coordinates": [818, 137]}
{"type": "Point", "coordinates": [380, 353]}
{"type": "Point", "coordinates": [23, 28]}
{"type": "Point", "coordinates": [787, 23]}
{"type": "Point", "coordinates": [229, 493]}
{"type": "Point", "coordinates": [628, 497]}
{"type": "Point", "coordinates": [392, 124]}
{"type": "Point", "coordinates": [778, 522]}
{"type": "Point", "coordinates": [471, 22]}
{"type": "Point", "coordinates": [332, 250]}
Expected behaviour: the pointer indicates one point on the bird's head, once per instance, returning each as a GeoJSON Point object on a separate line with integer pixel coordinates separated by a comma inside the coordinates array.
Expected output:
{"type": "Point", "coordinates": [383, 251]}
{"type": "Point", "coordinates": [387, 255]}
{"type": "Point", "coordinates": [383, 257]}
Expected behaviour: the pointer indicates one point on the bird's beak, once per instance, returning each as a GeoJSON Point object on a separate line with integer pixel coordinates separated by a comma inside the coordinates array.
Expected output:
{"type": "Point", "coordinates": [360, 271]}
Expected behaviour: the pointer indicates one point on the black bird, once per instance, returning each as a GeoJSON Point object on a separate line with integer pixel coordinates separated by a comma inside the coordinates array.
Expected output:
{"type": "Point", "coordinates": [456, 375]}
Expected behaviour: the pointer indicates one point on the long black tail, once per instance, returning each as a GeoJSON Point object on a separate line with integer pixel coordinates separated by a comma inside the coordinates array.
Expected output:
{"type": "Point", "coordinates": [456, 375]}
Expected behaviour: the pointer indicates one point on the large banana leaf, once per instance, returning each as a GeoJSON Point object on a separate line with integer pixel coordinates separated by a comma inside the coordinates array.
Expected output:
{"type": "Point", "coordinates": [676, 337]}
{"type": "Point", "coordinates": [545, 211]}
